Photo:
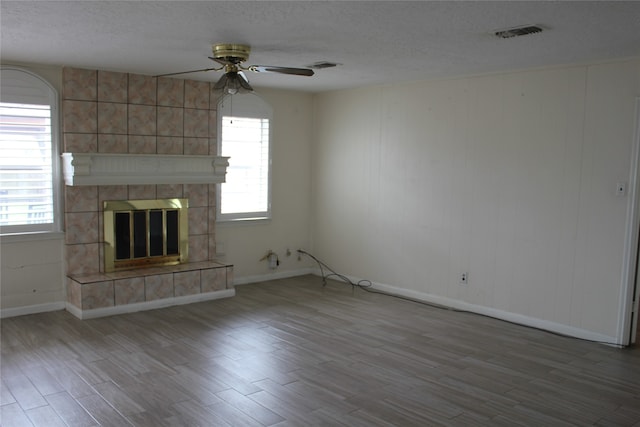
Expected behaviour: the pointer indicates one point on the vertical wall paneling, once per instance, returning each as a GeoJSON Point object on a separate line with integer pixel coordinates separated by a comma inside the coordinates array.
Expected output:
{"type": "Point", "coordinates": [509, 177]}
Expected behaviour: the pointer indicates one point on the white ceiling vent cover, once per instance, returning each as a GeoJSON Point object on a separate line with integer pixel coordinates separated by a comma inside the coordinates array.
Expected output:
{"type": "Point", "coordinates": [518, 31]}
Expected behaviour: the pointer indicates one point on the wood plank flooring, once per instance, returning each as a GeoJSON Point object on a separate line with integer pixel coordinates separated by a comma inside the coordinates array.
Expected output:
{"type": "Point", "coordinates": [294, 353]}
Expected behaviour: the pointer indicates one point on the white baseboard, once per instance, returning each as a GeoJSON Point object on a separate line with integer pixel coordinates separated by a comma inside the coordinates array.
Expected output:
{"type": "Point", "coordinates": [520, 319]}
{"type": "Point", "coordinates": [147, 305]}
{"type": "Point", "coordinates": [32, 309]}
{"type": "Point", "coordinates": [558, 328]}
{"type": "Point", "coordinates": [272, 276]}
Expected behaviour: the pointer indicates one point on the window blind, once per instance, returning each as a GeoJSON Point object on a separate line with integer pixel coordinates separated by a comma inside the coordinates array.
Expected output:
{"type": "Point", "coordinates": [26, 193]}
{"type": "Point", "coordinates": [245, 192]}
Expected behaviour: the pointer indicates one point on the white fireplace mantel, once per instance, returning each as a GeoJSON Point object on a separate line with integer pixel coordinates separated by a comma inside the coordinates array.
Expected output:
{"type": "Point", "coordinates": [132, 169]}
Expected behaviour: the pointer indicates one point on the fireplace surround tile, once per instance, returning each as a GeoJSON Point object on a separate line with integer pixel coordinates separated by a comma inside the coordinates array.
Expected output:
{"type": "Point", "coordinates": [213, 98]}
{"type": "Point", "coordinates": [169, 191]}
{"type": "Point", "coordinates": [212, 246]}
{"type": "Point", "coordinates": [83, 258]}
{"type": "Point", "coordinates": [198, 195]}
{"type": "Point", "coordinates": [196, 146]}
{"type": "Point", "coordinates": [112, 86]}
{"type": "Point", "coordinates": [213, 123]}
{"type": "Point", "coordinates": [198, 247]}
{"type": "Point", "coordinates": [81, 142]}
{"type": "Point", "coordinates": [170, 121]}
{"type": "Point", "coordinates": [110, 143]}
{"type": "Point", "coordinates": [142, 144]}
{"type": "Point", "coordinates": [196, 123]}
{"type": "Point", "coordinates": [142, 89]}
{"type": "Point", "coordinates": [97, 295]}
{"type": "Point", "coordinates": [170, 92]}
{"type": "Point", "coordinates": [214, 280]}
{"type": "Point", "coordinates": [141, 119]}
{"type": "Point", "coordinates": [112, 117]}
{"type": "Point", "coordinates": [82, 227]}
{"type": "Point", "coordinates": [74, 292]}
{"type": "Point", "coordinates": [129, 290]}
{"type": "Point", "coordinates": [186, 283]}
{"type": "Point", "coordinates": [212, 195]}
{"type": "Point", "coordinates": [198, 223]}
{"type": "Point", "coordinates": [80, 84]}
{"type": "Point", "coordinates": [196, 94]}
{"type": "Point", "coordinates": [111, 192]}
{"type": "Point", "coordinates": [142, 192]}
{"type": "Point", "coordinates": [81, 198]}
{"type": "Point", "coordinates": [170, 145]}
{"type": "Point", "coordinates": [80, 116]}
{"type": "Point", "coordinates": [158, 286]}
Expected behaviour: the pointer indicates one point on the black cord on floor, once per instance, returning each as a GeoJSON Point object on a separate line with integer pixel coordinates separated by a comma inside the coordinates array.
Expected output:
{"type": "Point", "coordinates": [364, 283]}
{"type": "Point", "coordinates": [367, 285]}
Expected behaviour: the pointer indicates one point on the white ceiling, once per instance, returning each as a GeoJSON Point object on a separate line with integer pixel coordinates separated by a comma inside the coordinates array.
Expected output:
{"type": "Point", "coordinates": [375, 41]}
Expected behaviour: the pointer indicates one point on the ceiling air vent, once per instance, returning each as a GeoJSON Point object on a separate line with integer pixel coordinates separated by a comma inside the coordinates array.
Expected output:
{"type": "Point", "coordinates": [518, 31]}
{"type": "Point", "coordinates": [323, 64]}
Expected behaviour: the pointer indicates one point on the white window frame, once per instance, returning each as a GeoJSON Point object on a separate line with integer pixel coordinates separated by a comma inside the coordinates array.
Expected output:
{"type": "Point", "coordinates": [19, 85]}
{"type": "Point", "coordinates": [248, 106]}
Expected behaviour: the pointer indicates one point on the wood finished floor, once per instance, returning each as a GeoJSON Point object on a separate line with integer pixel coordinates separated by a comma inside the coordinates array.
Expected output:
{"type": "Point", "coordinates": [292, 353]}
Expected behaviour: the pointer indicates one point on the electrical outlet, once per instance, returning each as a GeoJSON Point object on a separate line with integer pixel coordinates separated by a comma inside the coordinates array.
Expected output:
{"type": "Point", "coordinates": [464, 278]}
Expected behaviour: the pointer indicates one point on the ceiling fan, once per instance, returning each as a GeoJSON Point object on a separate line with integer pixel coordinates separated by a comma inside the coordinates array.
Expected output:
{"type": "Point", "coordinates": [230, 57]}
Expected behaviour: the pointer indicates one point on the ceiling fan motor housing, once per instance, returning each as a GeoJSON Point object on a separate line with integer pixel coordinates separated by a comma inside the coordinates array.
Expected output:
{"type": "Point", "coordinates": [232, 53]}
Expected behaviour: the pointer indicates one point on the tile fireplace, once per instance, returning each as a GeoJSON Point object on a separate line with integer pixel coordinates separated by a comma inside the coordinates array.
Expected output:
{"type": "Point", "coordinates": [131, 138]}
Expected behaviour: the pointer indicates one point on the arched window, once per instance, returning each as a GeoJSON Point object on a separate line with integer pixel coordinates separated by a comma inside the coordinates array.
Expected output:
{"type": "Point", "coordinates": [244, 130]}
{"type": "Point", "coordinates": [28, 153]}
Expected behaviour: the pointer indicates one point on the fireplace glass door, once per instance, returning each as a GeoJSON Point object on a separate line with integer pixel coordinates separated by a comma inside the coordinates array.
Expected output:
{"type": "Point", "coordinates": [145, 232]}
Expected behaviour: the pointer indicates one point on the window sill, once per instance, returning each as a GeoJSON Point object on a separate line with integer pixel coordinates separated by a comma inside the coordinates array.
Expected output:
{"type": "Point", "coordinates": [242, 221]}
{"type": "Point", "coordinates": [31, 237]}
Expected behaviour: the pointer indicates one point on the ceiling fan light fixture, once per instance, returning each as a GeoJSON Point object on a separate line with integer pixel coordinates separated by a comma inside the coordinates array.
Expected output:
{"type": "Point", "coordinates": [232, 83]}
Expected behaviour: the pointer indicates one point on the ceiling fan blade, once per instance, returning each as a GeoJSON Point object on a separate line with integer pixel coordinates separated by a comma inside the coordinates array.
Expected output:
{"type": "Point", "coordinates": [187, 72]}
{"type": "Point", "coordinates": [281, 70]}
{"type": "Point", "coordinates": [219, 61]}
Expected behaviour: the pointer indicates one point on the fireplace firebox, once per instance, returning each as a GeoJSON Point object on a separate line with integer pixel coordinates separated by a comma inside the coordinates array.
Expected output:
{"type": "Point", "coordinates": [145, 233]}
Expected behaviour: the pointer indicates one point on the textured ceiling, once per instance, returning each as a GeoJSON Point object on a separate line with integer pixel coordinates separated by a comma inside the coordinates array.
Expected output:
{"type": "Point", "coordinates": [376, 42]}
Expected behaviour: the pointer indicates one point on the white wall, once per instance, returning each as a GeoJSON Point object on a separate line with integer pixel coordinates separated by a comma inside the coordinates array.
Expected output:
{"type": "Point", "coordinates": [32, 275]}
{"type": "Point", "coordinates": [244, 243]}
{"type": "Point", "coordinates": [32, 269]}
{"type": "Point", "coordinates": [509, 177]}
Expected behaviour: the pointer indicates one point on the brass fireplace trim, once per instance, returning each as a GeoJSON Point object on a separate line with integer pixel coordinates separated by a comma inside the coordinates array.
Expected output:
{"type": "Point", "coordinates": [113, 206]}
